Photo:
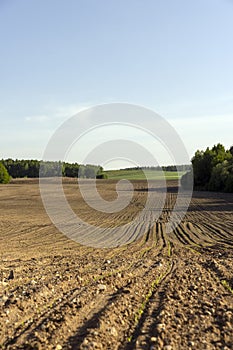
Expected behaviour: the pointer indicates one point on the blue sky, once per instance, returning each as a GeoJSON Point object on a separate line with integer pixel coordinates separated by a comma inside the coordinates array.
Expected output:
{"type": "Point", "coordinates": [57, 57]}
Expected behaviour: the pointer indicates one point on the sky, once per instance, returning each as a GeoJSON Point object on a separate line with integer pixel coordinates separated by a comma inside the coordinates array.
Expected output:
{"type": "Point", "coordinates": [59, 57]}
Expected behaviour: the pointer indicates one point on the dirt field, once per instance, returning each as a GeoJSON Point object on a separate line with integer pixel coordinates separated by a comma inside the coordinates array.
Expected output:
{"type": "Point", "coordinates": [160, 292]}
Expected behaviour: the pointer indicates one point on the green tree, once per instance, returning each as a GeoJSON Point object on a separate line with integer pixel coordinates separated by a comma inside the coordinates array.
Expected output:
{"type": "Point", "coordinates": [218, 177]}
{"type": "Point", "coordinates": [90, 171]}
{"type": "Point", "coordinates": [229, 183]}
{"type": "Point", "coordinates": [202, 167]}
{"type": "Point", "coordinates": [231, 150]}
{"type": "Point", "coordinates": [213, 169]}
{"type": "Point", "coordinates": [204, 163]}
{"type": "Point", "coordinates": [4, 176]}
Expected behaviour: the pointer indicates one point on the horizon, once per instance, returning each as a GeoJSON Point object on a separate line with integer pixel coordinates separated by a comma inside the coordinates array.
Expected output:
{"type": "Point", "coordinates": [158, 167]}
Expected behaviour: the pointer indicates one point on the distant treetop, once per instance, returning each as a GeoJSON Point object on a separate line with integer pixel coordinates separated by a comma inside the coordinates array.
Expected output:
{"type": "Point", "coordinates": [4, 176]}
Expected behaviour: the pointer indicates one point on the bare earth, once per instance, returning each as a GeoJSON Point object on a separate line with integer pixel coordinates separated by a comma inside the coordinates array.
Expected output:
{"type": "Point", "coordinates": [160, 292]}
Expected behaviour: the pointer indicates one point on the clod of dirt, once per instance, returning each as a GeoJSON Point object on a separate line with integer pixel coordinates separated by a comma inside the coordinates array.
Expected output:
{"type": "Point", "coordinates": [11, 275]}
{"type": "Point", "coordinates": [161, 327]}
{"type": "Point", "coordinates": [153, 339]}
{"type": "Point", "coordinates": [167, 347]}
{"type": "Point", "coordinates": [101, 287]}
{"type": "Point", "coordinates": [113, 332]}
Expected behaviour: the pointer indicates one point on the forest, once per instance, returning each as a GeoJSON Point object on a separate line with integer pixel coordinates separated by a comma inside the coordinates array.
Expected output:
{"type": "Point", "coordinates": [175, 168]}
{"type": "Point", "coordinates": [212, 169]}
{"type": "Point", "coordinates": [34, 168]}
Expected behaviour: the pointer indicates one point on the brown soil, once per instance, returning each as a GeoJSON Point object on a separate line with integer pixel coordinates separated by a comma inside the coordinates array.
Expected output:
{"type": "Point", "coordinates": [160, 292]}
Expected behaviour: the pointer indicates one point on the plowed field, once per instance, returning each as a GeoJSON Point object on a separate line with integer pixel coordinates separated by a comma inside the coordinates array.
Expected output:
{"type": "Point", "coordinates": [160, 292]}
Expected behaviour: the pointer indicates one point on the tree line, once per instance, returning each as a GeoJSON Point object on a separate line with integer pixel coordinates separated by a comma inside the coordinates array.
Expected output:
{"type": "Point", "coordinates": [212, 169]}
{"type": "Point", "coordinates": [34, 168]}
{"type": "Point", "coordinates": [182, 167]}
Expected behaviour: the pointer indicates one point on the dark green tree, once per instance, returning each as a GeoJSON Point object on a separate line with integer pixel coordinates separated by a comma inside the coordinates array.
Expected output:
{"type": "Point", "coordinates": [218, 177]}
{"type": "Point", "coordinates": [231, 150]}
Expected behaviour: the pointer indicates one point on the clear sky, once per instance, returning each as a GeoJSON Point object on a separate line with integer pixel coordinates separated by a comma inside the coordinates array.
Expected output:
{"type": "Point", "coordinates": [59, 56]}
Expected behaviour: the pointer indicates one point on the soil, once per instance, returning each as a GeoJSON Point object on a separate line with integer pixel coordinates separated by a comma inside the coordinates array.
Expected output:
{"type": "Point", "coordinates": [160, 292]}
